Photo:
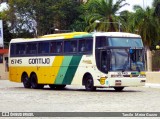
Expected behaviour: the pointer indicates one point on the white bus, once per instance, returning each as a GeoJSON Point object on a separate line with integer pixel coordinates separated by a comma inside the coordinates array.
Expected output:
{"type": "Point", "coordinates": [94, 60]}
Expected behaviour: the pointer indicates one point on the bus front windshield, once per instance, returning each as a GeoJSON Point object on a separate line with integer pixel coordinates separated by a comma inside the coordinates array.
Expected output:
{"type": "Point", "coordinates": [131, 58]}
{"type": "Point", "coordinates": [125, 42]}
{"type": "Point", "coordinates": [127, 60]}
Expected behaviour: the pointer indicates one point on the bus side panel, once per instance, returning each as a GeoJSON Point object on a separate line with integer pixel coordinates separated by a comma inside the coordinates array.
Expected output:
{"type": "Point", "coordinates": [45, 74]}
{"type": "Point", "coordinates": [63, 69]}
{"type": "Point", "coordinates": [86, 65]}
{"type": "Point", "coordinates": [17, 71]}
{"type": "Point", "coordinates": [20, 70]}
{"type": "Point", "coordinates": [13, 74]}
{"type": "Point", "coordinates": [72, 69]}
{"type": "Point", "coordinates": [48, 74]}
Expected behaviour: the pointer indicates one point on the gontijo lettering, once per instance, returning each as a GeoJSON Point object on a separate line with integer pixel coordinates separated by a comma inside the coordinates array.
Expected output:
{"type": "Point", "coordinates": [39, 61]}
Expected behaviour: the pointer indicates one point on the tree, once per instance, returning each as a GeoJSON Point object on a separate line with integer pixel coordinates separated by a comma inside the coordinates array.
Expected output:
{"type": "Point", "coordinates": [156, 5]}
{"type": "Point", "coordinates": [144, 22]}
{"type": "Point", "coordinates": [39, 16]}
{"type": "Point", "coordinates": [125, 18]}
{"type": "Point", "coordinates": [18, 16]}
{"type": "Point", "coordinates": [79, 23]}
{"type": "Point", "coordinates": [155, 2]}
{"type": "Point", "coordinates": [66, 13]}
{"type": "Point", "coordinates": [104, 11]}
{"type": "Point", "coordinates": [6, 33]}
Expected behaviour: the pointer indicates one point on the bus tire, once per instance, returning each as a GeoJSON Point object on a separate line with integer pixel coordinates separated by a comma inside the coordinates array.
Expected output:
{"type": "Point", "coordinates": [118, 89]}
{"type": "Point", "coordinates": [26, 81]}
{"type": "Point", "coordinates": [34, 82]}
{"type": "Point", "coordinates": [89, 84]}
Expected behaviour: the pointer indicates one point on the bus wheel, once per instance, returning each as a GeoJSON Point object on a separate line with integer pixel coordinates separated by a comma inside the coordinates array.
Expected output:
{"type": "Point", "coordinates": [89, 84]}
{"type": "Point", "coordinates": [26, 81]}
{"type": "Point", "coordinates": [118, 89]}
{"type": "Point", "coordinates": [34, 82]}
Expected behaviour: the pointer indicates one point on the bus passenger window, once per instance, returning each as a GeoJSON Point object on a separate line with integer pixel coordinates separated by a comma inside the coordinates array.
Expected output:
{"type": "Point", "coordinates": [20, 49]}
{"type": "Point", "coordinates": [52, 47]}
{"type": "Point", "coordinates": [59, 47]}
{"type": "Point", "coordinates": [12, 50]}
{"type": "Point", "coordinates": [31, 48]}
{"type": "Point", "coordinates": [101, 41]}
{"type": "Point", "coordinates": [43, 47]}
{"type": "Point", "coordinates": [74, 49]}
{"type": "Point", "coordinates": [81, 45]}
{"type": "Point", "coordinates": [85, 45]}
{"type": "Point", "coordinates": [89, 45]}
{"type": "Point", "coordinates": [70, 46]}
{"type": "Point", "coordinates": [56, 47]}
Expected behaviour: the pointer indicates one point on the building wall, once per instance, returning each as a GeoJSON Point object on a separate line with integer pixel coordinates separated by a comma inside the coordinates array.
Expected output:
{"type": "Point", "coordinates": [3, 69]}
{"type": "Point", "coordinates": [153, 77]}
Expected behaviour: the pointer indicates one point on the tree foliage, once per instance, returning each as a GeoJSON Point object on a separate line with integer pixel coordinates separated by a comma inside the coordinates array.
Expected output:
{"type": "Point", "coordinates": [39, 16]}
{"type": "Point", "coordinates": [145, 24]}
{"type": "Point", "coordinates": [6, 32]}
{"type": "Point", "coordinates": [104, 11]}
{"type": "Point", "coordinates": [156, 5]}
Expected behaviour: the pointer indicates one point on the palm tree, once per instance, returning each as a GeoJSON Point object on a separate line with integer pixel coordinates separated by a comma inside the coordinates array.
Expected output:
{"type": "Point", "coordinates": [147, 26]}
{"type": "Point", "coordinates": [126, 21]}
{"type": "Point", "coordinates": [104, 11]}
{"type": "Point", "coordinates": [156, 5]}
{"type": "Point", "coordinates": [155, 2]}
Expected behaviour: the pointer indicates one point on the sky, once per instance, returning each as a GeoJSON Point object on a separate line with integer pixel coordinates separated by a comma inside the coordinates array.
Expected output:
{"type": "Point", "coordinates": [143, 3]}
{"type": "Point", "coordinates": [3, 6]}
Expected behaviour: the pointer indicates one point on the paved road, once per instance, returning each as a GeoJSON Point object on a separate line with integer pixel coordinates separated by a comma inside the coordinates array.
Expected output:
{"type": "Point", "coordinates": [13, 97]}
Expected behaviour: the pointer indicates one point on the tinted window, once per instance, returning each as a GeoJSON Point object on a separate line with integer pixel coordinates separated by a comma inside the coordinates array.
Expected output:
{"type": "Point", "coordinates": [31, 48]}
{"type": "Point", "coordinates": [82, 47]}
{"type": "Point", "coordinates": [125, 42]}
{"type": "Point", "coordinates": [89, 45]}
{"type": "Point", "coordinates": [85, 45]}
{"type": "Point", "coordinates": [70, 46]}
{"type": "Point", "coordinates": [12, 50]}
{"type": "Point", "coordinates": [21, 49]}
{"type": "Point", "coordinates": [56, 47]}
{"type": "Point", "coordinates": [43, 47]}
{"type": "Point", "coordinates": [101, 41]}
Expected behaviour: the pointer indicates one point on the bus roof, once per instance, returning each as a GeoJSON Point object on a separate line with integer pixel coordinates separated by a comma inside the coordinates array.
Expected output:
{"type": "Point", "coordinates": [66, 35]}
{"type": "Point", "coordinates": [55, 37]}
{"type": "Point", "coordinates": [75, 35]}
{"type": "Point", "coordinates": [116, 34]}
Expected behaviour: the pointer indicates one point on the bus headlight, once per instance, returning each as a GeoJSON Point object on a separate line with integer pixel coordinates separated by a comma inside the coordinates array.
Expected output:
{"type": "Point", "coordinates": [142, 74]}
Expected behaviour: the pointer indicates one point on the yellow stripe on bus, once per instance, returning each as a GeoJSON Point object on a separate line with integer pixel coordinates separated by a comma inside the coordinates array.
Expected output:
{"type": "Point", "coordinates": [56, 65]}
{"type": "Point", "coordinates": [65, 35]}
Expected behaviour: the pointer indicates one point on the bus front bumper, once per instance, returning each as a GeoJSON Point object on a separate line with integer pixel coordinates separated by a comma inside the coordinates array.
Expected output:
{"type": "Point", "coordinates": [122, 82]}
